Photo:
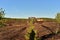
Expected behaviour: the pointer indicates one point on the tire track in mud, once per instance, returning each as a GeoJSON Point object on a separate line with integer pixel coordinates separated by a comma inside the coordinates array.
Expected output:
{"type": "Point", "coordinates": [10, 32]}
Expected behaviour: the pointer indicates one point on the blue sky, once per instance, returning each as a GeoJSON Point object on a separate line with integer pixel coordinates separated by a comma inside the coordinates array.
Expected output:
{"type": "Point", "coordinates": [30, 8]}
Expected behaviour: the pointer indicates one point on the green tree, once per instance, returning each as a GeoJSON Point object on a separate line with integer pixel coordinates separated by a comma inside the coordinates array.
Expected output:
{"type": "Point", "coordinates": [2, 16]}
{"type": "Point", "coordinates": [58, 17]}
{"type": "Point", "coordinates": [2, 13]}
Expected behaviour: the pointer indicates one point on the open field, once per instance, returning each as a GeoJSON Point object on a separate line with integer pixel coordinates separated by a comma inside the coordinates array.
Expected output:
{"type": "Point", "coordinates": [16, 29]}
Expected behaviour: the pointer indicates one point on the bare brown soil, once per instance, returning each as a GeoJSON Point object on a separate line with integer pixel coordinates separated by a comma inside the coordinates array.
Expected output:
{"type": "Point", "coordinates": [16, 29]}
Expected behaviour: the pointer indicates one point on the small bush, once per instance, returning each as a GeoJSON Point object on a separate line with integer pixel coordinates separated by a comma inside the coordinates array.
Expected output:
{"type": "Point", "coordinates": [2, 25]}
